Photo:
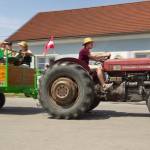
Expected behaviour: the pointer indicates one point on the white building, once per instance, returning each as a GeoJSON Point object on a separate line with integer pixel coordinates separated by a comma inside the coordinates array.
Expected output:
{"type": "Point", "coordinates": [122, 29]}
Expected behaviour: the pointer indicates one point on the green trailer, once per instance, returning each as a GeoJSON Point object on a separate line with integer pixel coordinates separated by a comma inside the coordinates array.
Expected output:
{"type": "Point", "coordinates": [17, 79]}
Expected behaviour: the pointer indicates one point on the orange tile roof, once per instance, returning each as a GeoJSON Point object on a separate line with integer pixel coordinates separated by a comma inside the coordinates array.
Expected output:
{"type": "Point", "coordinates": [113, 19]}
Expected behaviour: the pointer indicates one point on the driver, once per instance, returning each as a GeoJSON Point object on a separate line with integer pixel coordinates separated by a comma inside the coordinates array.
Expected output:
{"type": "Point", "coordinates": [85, 56]}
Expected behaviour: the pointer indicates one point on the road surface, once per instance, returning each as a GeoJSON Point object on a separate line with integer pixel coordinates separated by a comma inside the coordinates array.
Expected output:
{"type": "Point", "coordinates": [112, 126]}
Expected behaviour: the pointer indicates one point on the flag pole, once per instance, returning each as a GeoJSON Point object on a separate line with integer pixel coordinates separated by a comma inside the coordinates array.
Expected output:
{"type": "Point", "coordinates": [53, 40]}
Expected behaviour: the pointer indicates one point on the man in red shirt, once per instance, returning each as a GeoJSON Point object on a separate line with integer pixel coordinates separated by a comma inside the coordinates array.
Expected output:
{"type": "Point", "coordinates": [85, 56]}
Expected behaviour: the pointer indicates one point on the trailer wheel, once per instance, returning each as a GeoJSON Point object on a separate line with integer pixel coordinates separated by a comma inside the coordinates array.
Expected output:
{"type": "Point", "coordinates": [148, 103]}
{"type": "Point", "coordinates": [2, 100]}
{"type": "Point", "coordinates": [66, 91]}
{"type": "Point", "coordinates": [26, 95]}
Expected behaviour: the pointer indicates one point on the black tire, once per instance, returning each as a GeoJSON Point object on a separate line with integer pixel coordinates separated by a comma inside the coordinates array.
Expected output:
{"type": "Point", "coordinates": [39, 95]}
{"type": "Point", "coordinates": [148, 103]}
{"type": "Point", "coordinates": [95, 103]}
{"type": "Point", "coordinates": [81, 89]}
{"type": "Point", "coordinates": [2, 100]}
{"type": "Point", "coordinates": [26, 95]}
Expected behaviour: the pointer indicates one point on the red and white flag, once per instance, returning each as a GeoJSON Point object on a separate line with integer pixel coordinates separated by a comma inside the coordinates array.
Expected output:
{"type": "Point", "coordinates": [50, 44]}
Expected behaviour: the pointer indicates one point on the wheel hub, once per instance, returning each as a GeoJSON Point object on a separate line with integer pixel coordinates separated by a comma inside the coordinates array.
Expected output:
{"type": "Point", "coordinates": [64, 91]}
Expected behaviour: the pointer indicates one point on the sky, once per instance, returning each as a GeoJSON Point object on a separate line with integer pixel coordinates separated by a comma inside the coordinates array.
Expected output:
{"type": "Point", "coordinates": [15, 13]}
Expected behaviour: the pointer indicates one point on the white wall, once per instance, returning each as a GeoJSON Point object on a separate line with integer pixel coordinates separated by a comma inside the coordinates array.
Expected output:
{"type": "Point", "coordinates": [125, 45]}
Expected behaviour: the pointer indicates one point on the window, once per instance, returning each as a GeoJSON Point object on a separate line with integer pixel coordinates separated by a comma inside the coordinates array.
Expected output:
{"type": "Point", "coordinates": [41, 61]}
{"type": "Point", "coordinates": [142, 55]}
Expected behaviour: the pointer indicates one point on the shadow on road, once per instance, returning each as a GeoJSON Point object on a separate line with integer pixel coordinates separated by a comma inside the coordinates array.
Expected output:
{"type": "Point", "coordinates": [21, 110]}
{"type": "Point", "coordinates": [131, 103]}
{"type": "Point", "coordinates": [106, 114]}
{"type": "Point", "coordinates": [93, 115]}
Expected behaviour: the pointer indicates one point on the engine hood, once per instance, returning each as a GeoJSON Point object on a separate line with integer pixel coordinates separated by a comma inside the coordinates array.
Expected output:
{"type": "Point", "coordinates": [127, 65]}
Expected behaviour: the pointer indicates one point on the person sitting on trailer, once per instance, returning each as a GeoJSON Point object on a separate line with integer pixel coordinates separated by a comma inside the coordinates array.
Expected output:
{"type": "Point", "coordinates": [2, 49]}
{"type": "Point", "coordinates": [25, 54]}
{"type": "Point", "coordinates": [11, 52]}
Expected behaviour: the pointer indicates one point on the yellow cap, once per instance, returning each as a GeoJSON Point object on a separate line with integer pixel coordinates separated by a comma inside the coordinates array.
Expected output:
{"type": "Point", "coordinates": [24, 44]}
{"type": "Point", "coordinates": [87, 40]}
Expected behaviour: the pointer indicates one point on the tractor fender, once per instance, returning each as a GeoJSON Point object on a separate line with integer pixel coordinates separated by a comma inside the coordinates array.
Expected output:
{"type": "Point", "coordinates": [72, 60]}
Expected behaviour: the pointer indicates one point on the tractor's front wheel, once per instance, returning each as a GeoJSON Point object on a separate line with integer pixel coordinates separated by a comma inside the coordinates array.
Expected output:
{"type": "Point", "coordinates": [148, 103]}
{"type": "Point", "coordinates": [2, 100]}
{"type": "Point", "coordinates": [95, 103]}
{"type": "Point", "coordinates": [66, 91]}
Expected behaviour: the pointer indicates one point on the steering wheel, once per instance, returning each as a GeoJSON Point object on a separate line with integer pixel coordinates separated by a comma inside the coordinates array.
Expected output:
{"type": "Point", "coordinates": [100, 61]}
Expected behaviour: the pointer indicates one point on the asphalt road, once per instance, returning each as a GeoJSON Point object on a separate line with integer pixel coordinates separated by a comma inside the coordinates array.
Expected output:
{"type": "Point", "coordinates": [112, 126]}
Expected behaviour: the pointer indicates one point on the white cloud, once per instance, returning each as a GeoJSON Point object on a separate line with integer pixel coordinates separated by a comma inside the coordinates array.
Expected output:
{"type": "Point", "coordinates": [9, 23]}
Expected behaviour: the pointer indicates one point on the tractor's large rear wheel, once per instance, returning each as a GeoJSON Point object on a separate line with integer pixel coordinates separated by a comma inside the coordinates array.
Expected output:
{"type": "Point", "coordinates": [66, 91]}
{"type": "Point", "coordinates": [2, 100]}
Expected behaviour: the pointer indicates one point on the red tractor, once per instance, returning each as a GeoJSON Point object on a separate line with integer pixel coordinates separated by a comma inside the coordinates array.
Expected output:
{"type": "Point", "coordinates": [68, 88]}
